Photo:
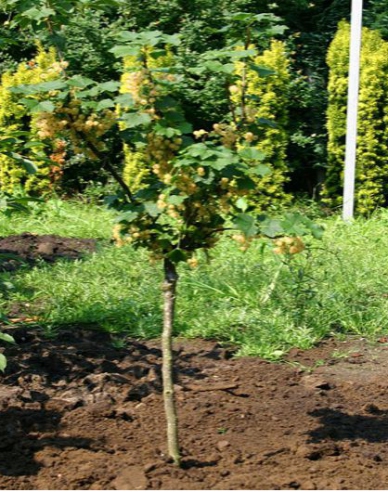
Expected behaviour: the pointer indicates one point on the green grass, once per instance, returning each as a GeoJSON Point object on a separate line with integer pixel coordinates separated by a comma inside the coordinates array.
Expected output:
{"type": "Point", "coordinates": [250, 299]}
{"type": "Point", "coordinates": [65, 218]}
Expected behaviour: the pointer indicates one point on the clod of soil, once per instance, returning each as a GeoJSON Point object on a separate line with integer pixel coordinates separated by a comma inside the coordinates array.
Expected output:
{"type": "Point", "coordinates": [77, 413]}
{"type": "Point", "coordinates": [19, 249]}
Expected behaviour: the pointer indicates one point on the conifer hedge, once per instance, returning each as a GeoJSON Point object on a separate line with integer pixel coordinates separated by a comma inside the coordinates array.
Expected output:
{"type": "Point", "coordinates": [267, 103]}
{"type": "Point", "coordinates": [372, 149]}
{"type": "Point", "coordinates": [13, 117]}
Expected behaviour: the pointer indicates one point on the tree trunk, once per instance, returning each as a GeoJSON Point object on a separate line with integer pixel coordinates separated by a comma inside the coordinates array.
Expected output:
{"type": "Point", "coordinates": [169, 293]}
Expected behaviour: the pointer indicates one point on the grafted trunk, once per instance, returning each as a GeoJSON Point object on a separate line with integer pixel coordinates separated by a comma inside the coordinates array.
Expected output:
{"type": "Point", "coordinates": [169, 293]}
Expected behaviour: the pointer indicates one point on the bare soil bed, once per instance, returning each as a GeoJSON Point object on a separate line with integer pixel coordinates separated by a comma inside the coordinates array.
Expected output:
{"type": "Point", "coordinates": [80, 414]}
{"type": "Point", "coordinates": [77, 413]}
{"type": "Point", "coordinates": [20, 249]}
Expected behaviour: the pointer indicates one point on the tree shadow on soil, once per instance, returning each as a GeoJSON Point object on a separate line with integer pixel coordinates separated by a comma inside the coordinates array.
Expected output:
{"type": "Point", "coordinates": [22, 434]}
{"type": "Point", "coordinates": [217, 352]}
{"type": "Point", "coordinates": [75, 355]}
{"type": "Point", "coordinates": [338, 426]}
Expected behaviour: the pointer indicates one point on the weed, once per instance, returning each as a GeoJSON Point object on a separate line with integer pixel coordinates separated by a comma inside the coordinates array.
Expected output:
{"type": "Point", "coordinates": [118, 343]}
{"type": "Point", "coordinates": [222, 430]}
{"type": "Point", "coordinates": [341, 354]}
{"type": "Point", "coordinates": [307, 369]}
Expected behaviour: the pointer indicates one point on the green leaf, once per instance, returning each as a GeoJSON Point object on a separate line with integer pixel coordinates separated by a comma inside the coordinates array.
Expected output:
{"type": "Point", "coordinates": [266, 122]}
{"type": "Point", "coordinates": [201, 150]}
{"type": "Point", "coordinates": [52, 85]}
{"type": "Point", "coordinates": [251, 154]}
{"type": "Point", "coordinates": [122, 51]}
{"type": "Point", "coordinates": [89, 105]}
{"type": "Point", "coordinates": [43, 107]}
{"type": "Point", "coordinates": [218, 67]}
{"type": "Point", "coordinates": [236, 55]}
{"type": "Point", "coordinates": [6, 142]}
{"type": "Point", "coordinates": [272, 227]}
{"type": "Point", "coordinates": [92, 92]}
{"type": "Point", "coordinates": [297, 224]}
{"type": "Point", "coordinates": [38, 14]}
{"type": "Point", "coordinates": [127, 36]}
{"type": "Point", "coordinates": [79, 81]}
{"type": "Point", "coordinates": [133, 120]}
{"type": "Point", "coordinates": [174, 117]}
{"type": "Point", "coordinates": [172, 39]}
{"type": "Point", "coordinates": [31, 89]}
{"type": "Point", "coordinates": [165, 70]}
{"type": "Point", "coordinates": [177, 255]}
{"type": "Point", "coordinates": [151, 38]}
{"type": "Point", "coordinates": [260, 70]}
{"type": "Point", "coordinates": [155, 54]}
{"type": "Point", "coordinates": [266, 16]}
{"type": "Point", "coordinates": [166, 102]}
{"type": "Point", "coordinates": [166, 131]}
{"type": "Point", "coordinates": [105, 104]}
{"type": "Point", "coordinates": [34, 145]}
{"type": "Point", "coordinates": [125, 100]}
{"type": "Point", "coordinates": [260, 170]}
{"type": "Point", "coordinates": [276, 30]}
{"type": "Point", "coordinates": [110, 86]}
{"type": "Point", "coordinates": [129, 216]}
{"type": "Point", "coordinates": [294, 224]}
{"type": "Point", "coordinates": [152, 209]}
{"type": "Point", "coordinates": [242, 16]}
{"type": "Point", "coordinates": [246, 184]}
{"type": "Point", "coordinates": [229, 68]}
{"type": "Point", "coordinates": [3, 362]}
{"type": "Point", "coordinates": [246, 224]}
{"type": "Point", "coordinates": [7, 285]}
{"type": "Point", "coordinates": [29, 103]}
{"type": "Point", "coordinates": [242, 204]}
{"type": "Point", "coordinates": [185, 127]}
{"type": "Point", "coordinates": [28, 165]}
{"type": "Point", "coordinates": [316, 230]}
{"type": "Point", "coordinates": [6, 338]}
{"type": "Point", "coordinates": [176, 199]}
{"type": "Point", "coordinates": [222, 163]}
{"type": "Point", "coordinates": [197, 70]}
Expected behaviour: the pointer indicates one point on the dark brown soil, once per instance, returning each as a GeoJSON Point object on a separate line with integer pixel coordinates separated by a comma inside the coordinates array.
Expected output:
{"type": "Point", "coordinates": [27, 248]}
{"type": "Point", "coordinates": [77, 413]}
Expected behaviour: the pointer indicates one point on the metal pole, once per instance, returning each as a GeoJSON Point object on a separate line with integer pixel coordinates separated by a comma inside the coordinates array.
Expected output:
{"type": "Point", "coordinates": [352, 112]}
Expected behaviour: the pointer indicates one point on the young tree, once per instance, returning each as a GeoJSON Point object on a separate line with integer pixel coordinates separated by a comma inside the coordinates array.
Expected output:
{"type": "Point", "coordinates": [199, 183]}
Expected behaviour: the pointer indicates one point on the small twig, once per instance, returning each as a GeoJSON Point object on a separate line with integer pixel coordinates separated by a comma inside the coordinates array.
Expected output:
{"type": "Point", "coordinates": [266, 297]}
{"type": "Point", "coordinates": [103, 158]}
{"type": "Point", "coordinates": [215, 387]}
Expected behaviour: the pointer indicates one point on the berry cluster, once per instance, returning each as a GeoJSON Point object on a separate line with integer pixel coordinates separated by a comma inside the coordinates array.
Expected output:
{"type": "Point", "coordinates": [58, 157]}
{"type": "Point", "coordinates": [243, 241]}
{"type": "Point", "coordinates": [226, 133]}
{"type": "Point", "coordinates": [289, 246]}
{"type": "Point", "coordinates": [72, 124]}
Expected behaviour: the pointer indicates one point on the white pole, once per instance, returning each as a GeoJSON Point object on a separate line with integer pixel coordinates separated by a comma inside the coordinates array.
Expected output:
{"type": "Point", "coordinates": [351, 125]}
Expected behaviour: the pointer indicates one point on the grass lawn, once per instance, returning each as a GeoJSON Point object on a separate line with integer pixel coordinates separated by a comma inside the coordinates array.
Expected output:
{"type": "Point", "coordinates": [253, 299]}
